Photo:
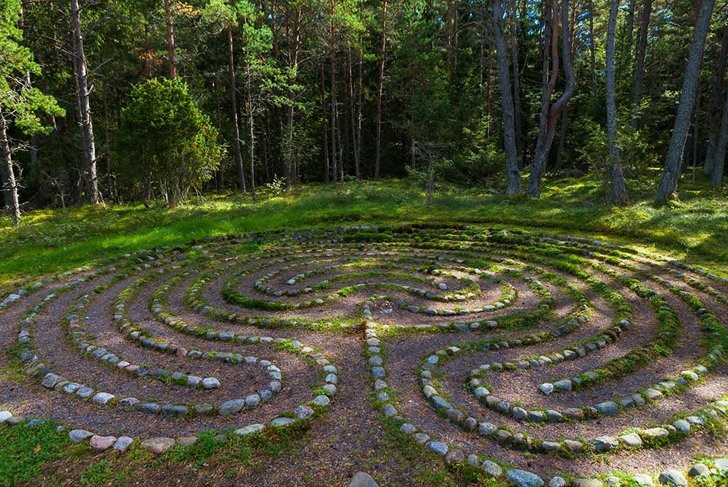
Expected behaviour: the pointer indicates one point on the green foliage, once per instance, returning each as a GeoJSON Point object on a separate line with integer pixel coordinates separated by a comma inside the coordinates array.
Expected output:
{"type": "Point", "coordinates": [169, 146]}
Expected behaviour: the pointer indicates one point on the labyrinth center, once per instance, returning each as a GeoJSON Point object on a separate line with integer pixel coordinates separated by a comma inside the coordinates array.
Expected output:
{"type": "Point", "coordinates": [479, 344]}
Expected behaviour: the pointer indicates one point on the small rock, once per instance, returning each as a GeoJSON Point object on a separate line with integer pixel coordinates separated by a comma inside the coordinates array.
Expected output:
{"type": "Point", "coordinates": [523, 478]}
{"type": "Point", "coordinates": [361, 479]}
{"type": "Point", "coordinates": [673, 478]}
{"type": "Point", "coordinates": [102, 442]}
{"type": "Point", "coordinates": [159, 444]}
{"type": "Point", "coordinates": [492, 468]}
{"type": "Point", "coordinates": [122, 443]}
{"type": "Point", "coordinates": [77, 436]}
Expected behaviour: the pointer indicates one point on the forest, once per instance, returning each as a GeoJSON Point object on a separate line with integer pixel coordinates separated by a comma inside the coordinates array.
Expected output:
{"type": "Point", "coordinates": [137, 100]}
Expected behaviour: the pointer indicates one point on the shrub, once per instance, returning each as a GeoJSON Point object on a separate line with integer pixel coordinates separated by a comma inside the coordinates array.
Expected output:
{"type": "Point", "coordinates": [167, 144]}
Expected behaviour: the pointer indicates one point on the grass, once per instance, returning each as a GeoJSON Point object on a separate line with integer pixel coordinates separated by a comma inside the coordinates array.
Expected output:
{"type": "Point", "coordinates": [695, 228]}
{"type": "Point", "coordinates": [25, 448]}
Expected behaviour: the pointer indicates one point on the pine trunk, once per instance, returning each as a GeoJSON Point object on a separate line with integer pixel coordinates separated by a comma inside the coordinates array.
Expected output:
{"type": "Point", "coordinates": [619, 188]}
{"type": "Point", "coordinates": [673, 161]}
{"type": "Point", "coordinates": [84, 108]}
{"type": "Point", "coordinates": [10, 184]}
{"type": "Point", "coordinates": [170, 38]}
{"type": "Point", "coordinates": [234, 110]}
{"type": "Point", "coordinates": [717, 97]}
{"type": "Point", "coordinates": [639, 70]}
{"type": "Point", "coordinates": [380, 87]}
{"type": "Point", "coordinates": [550, 112]}
{"type": "Point", "coordinates": [721, 147]}
{"type": "Point", "coordinates": [513, 176]}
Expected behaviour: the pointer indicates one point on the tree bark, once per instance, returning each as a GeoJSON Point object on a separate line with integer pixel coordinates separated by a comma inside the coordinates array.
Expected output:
{"type": "Point", "coordinates": [334, 110]}
{"type": "Point", "coordinates": [673, 162]}
{"type": "Point", "coordinates": [10, 184]}
{"type": "Point", "coordinates": [324, 124]}
{"type": "Point", "coordinates": [234, 110]}
{"type": "Point", "coordinates": [721, 146]}
{"type": "Point", "coordinates": [550, 112]}
{"type": "Point", "coordinates": [87, 131]}
{"type": "Point", "coordinates": [592, 47]}
{"type": "Point", "coordinates": [251, 129]}
{"type": "Point", "coordinates": [513, 176]}
{"type": "Point", "coordinates": [170, 38]}
{"type": "Point", "coordinates": [639, 70]}
{"type": "Point", "coordinates": [516, 82]}
{"type": "Point", "coordinates": [619, 188]}
{"type": "Point", "coordinates": [716, 98]}
{"type": "Point", "coordinates": [380, 87]}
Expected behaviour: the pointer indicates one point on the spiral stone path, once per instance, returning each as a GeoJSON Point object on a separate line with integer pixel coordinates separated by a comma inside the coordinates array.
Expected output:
{"type": "Point", "coordinates": [531, 358]}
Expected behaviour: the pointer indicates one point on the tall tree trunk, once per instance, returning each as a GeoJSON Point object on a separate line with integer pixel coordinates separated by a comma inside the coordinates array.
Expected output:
{"type": "Point", "coordinates": [352, 114]}
{"type": "Point", "coordinates": [234, 110]}
{"type": "Point", "coordinates": [251, 127]}
{"type": "Point", "coordinates": [324, 125]}
{"type": "Point", "coordinates": [87, 130]}
{"type": "Point", "coordinates": [380, 87]}
{"type": "Point", "coordinates": [516, 82]}
{"type": "Point", "coordinates": [721, 147]}
{"type": "Point", "coordinates": [359, 105]}
{"type": "Point", "coordinates": [592, 47]}
{"type": "Point", "coordinates": [639, 70]}
{"type": "Point", "coordinates": [673, 162]}
{"type": "Point", "coordinates": [334, 109]}
{"type": "Point", "coordinates": [550, 111]}
{"type": "Point", "coordinates": [10, 185]}
{"type": "Point", "coordinates": [619, 188]}
{"type": "Point", "coordinates": [716, 99]}
{"type": "Point", "coordinates": [170, 38]}
{"type": "Point", "coordinates": [513, 176]}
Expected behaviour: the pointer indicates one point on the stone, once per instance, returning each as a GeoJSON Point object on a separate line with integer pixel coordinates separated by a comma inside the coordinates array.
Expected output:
{"type": "Point", "coordinates": [492, 468]}
{"type": "Point", "coordinates": [422, 438]}
{"type": "Point", "coordinates": [682, 426]}
{"type": "Point", "coordinates": [643, 480]}
{"type": "Point", "coordinates": [607, 408]}
{"type": "Point", "coordinates": [158, 444]}
{"type": "Point", "coordinates": [281, 422]}
{"type": "Point", "coordinates": [321, 401]}
{"type": "Point", "coordinates": [102, 398]}
{"type": "Point", "coordinates": [77, 436]}
{"type": "Point", "coordinates": [187, 440]}
{"type": "Point", "coordinates": [587, 483]}
{"type": "Point", "coordinates": [389, 410]}
{"type": "Point", "coordinates": [604, 443]}
{"type": "Point", "coordinates": [631, 440]}
{"type": "Point", "coordinates": [407, 428]}
{"type": "Point", "coordinates": [250, 429]}
{"type": "Point", "coordinates": [699, 470]}
{"type": "Point", "coordinates": [673, 478]}
{"type": "Point", "coordinates": [102, 442]}
{"type": "Point", "coordinates": [519, 413]}
{"type": "Point", "coordinates": [123, 443]}
{"type": "Point", "coordinates": [210, 383]}
{"type": "Point", "coordinates": [50, 380]}
{"type": "Point", "coordinates": [438, 447]}
{"type": "Point", "coordinates": [362, 479]}
{"type": "Point", "coordinates": [563, 385]}
{"type": "Point", "coordinates": [546, 388]}
{"type": "Point", "coordinates": [455, 456]}
{"type": "Point", "coordinates": [557, 482]}
{"type": "Point", "coordinates": [486, 429]}
{"type": "Point", "coordinates": [231, 407]}
{"type": "Point", "coordinates": [721, 464]}
{"type": "Point", "coordinates": [655, 433]}
{"type": "Point", "coordinates": [4, 415]}
{"type": "Point", "coordinates": [252, 400]}
{"type": "Point", "coordinates": [524, 478]}
{"type": "Point", "coordinates": [303, 412]}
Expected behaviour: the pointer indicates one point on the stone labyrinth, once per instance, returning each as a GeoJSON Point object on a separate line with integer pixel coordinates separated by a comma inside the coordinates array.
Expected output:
{"type": "Point", "coordinates": [512, 352]}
